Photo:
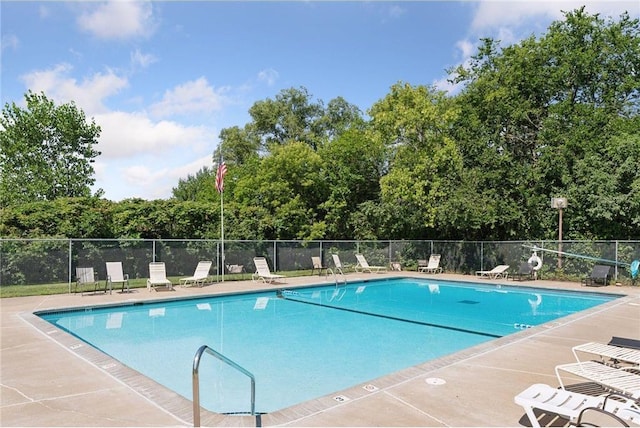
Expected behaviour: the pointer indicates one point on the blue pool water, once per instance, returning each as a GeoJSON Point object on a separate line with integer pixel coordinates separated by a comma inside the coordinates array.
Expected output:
{"type": "Point", "coordinates": [304, 343]}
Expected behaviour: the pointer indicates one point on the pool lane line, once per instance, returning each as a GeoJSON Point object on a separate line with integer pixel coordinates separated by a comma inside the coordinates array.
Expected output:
{"type": "Point", "coordinates": [355, 311]}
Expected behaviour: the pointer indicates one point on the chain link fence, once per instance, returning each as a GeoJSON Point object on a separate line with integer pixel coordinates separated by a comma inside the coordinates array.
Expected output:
{"type": "Point", "coordinates": [53, 261]}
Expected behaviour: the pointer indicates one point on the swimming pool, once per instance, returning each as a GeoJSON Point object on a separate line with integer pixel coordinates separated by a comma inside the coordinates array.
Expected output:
{"type": "Point", "coordinates": [309, 342]}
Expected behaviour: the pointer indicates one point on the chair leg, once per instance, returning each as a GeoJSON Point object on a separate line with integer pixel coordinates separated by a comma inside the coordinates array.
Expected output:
{"type": "Point", "coordinates": [532, 417]}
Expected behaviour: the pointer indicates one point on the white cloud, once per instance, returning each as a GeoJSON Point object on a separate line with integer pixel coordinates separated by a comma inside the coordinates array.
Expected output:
{"type": "Point", "coordinates": [494, 15]}
{"type": "Point", "coordinates": [43, 11]}
{"type": "Point", "coordinates": [138, 59]}
{"type": "Point", "coordinates": [118, 19]}
{"type": "Point", "coordinates": [10, 41]}
{"type": "Point", "coordinates": [130, 134]}
{"type": "Point", "coordinates": [466, 49]}
{"type": "Point", "coordinates": [87, 95]}
{"type": "Point", "coordinates": [192, 167]}
{"type": "Point", "coordinates": [510, 21]}
{"type": "Point", "coordinates": [140, 175]}
{"type": "Point", "coordinates": [190, 97]}
{"type": "Point", "coordinates": [395, 11]}
{"type": "Point", "coordinates": [269, 76]}
{"type": "Point", "coordinates": [147, 181]}
{"type": "Point", "coordinates": [150, 175]}
{"type": "Point", "coordinates": [140, 157]}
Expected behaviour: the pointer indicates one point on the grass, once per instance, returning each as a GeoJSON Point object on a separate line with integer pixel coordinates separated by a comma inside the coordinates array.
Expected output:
{"type": "Point", "coordinates": [7, 291]}
{"type": "Point", "coordinates": [56, 288]}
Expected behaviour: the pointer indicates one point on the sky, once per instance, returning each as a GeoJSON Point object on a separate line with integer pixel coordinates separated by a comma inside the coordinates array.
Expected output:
{"type": "Point", "coordinates": [162, 79]}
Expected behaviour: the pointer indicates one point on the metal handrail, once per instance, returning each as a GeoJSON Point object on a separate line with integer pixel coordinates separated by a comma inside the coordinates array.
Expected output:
{"type": "Point", "coordinates": [335, 276]}
{"type": "Point", "coordinates": [196, 380]}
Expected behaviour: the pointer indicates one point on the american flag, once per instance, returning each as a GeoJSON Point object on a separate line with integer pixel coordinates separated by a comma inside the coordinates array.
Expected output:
{"type": "Point", "coordinates": [222, 170]}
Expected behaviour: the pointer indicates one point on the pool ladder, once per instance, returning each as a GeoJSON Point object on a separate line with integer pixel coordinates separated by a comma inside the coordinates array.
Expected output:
{"type": "Point", "coordinates": [196, 380]}
{"type": "Point", "coordinates": [335, 276]}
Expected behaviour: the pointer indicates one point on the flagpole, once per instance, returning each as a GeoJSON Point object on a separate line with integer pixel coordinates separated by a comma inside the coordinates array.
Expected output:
{"type": "Point", "coordinates": [222, 229]}
{"type": "Point", "coordinates": [221, 171]}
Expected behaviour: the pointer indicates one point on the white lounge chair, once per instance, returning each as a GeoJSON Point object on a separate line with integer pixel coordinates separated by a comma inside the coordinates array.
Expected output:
{"type": "Point", "coordinates": [614, 378]}
{"type": "Point", "coordinates": [86, 276]}
{"type": "Point", "coordinates": [317, 265]}
{"type": "Point", "coordinates": [433, 266]}
{"type": "Point", "coordinates": [499, 271]}
{"type": "Point", "coordinates": [363, 266]}
{"type": "Point", "coordinates": [571, 405]}
{"type": "Point", "coordinates": [158, 276]}
{"type": "Point", "coordinates": [337, 263]}
{"type": "Point", "coordinates": [235, 268]}
{"type": "Point", "coordinates": [116, 276]}
{"type": "Point", "coordinates": [614, 354]}
{"type": "Point", "coordinates": [625, 342]}
{"type": "Point", "coordinates": [200, 275]}
{"type": "Point", "coordinates": [263, 272]}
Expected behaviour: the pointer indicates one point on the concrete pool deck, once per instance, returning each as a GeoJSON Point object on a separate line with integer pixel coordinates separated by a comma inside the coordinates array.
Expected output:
{"type": "Point", "coordinates": [48, 378]}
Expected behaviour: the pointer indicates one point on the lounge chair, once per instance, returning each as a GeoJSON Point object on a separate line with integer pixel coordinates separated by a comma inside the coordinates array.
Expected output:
{"type": "Point", "coordinates": [363, 266]}
{"type": "Point", "coordinates": [422, 264]}
{"type": "Point", "coordinates": [116, 276]}
{"type": "Point", "coordinates": [262, 271]}
{"type": "Point", "coordinates": [337, 263]}
{"type": "Point", "coordinates": [616, 415]}
{"type": "Point", "coordinates": [624, 342]}
{"type": "Point", "coordinates": [599, 276]}
{"type": "Point", "coordinates": [525, 271]}
{"type": "Point", "coordinates": [499, 271]}
{"type": "Point", "coordinates": [158, 276]}
{"type": "Point", "coordinates": [317, 265]}
{"type": "Point", "coordinates": [433, 266]}
{"type": "Point", "coordinates": [235, 268]}
{"type": "Point", "coordinates": [610, 354]}
{"type": "Point", "coordinates": [571, 405]}
{"type": "Point", "coordinates": [86, 277]}
{"type": "Point", "coordinates": [200, 275]}
{"type": "Point", "coordinates": [621, 379]}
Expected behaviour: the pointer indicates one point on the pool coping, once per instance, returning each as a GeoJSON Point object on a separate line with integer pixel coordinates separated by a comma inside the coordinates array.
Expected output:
{"type": "Point", "coordinates": [303, 414]}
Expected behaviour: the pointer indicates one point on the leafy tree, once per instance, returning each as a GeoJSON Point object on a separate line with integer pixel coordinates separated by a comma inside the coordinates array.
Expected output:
{"type": "Point", "coordinates": [425, 163]}
{"type": "Point", "coordinates": [290, 117]}
{"type": "Point", "coordinates": [549, 116]}
{"type": "Point", "coordinates": [353, 165]}
{"type": "Point", "coordinates": [198, 187]}
{"type": "Point", "coordinates": [46, 152]}
{"type": "Point", "coordinates": [165, 219]}
{"type": "Point", "coordinates": [63, 217]}
{"type": "Point", "coordinates": [293, 116]}
{"type": "Point", "coordinates": [285, 190]}
{"type": "Point", "coordinates": [341, 116]}
{"type": "Point", "coordinates": [607, 184]}
{"type": "Point", "coordinates": [533, 111]}
{"type": "Point", "coordinates": [237, 145]}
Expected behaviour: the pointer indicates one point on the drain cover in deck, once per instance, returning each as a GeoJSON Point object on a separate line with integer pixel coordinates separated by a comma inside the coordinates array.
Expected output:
{"type": "Point", "coordinates": [435, 381]}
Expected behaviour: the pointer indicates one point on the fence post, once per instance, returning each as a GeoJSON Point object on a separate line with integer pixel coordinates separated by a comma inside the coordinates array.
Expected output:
{"type": "Point", "coordinates": [218, 264]}
{"type": "Point", "coordinates": [615, 269]}
{"type": "Point", "coordinates": [70, 261]}
{"type": "Point", "coordinates": [275, 255]}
